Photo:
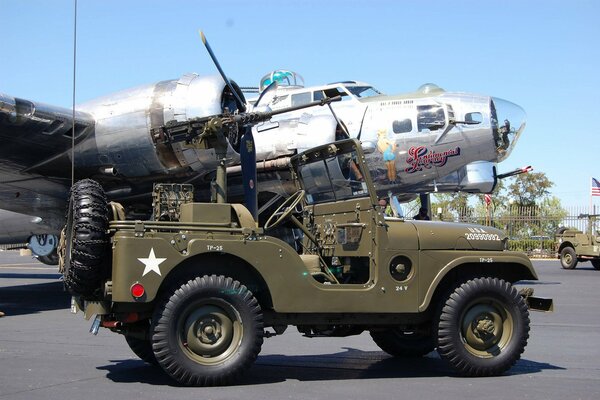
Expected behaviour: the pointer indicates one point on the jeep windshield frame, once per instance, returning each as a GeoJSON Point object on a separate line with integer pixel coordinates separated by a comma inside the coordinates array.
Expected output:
{"type": "Point", "coordinates": [334, 172]}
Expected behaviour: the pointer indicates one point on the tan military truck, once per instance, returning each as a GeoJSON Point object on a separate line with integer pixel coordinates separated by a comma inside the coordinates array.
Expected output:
{"type": "Point", "coordinates": [573, 246]}
{"type": "Point", "coordinates": [196, 293]}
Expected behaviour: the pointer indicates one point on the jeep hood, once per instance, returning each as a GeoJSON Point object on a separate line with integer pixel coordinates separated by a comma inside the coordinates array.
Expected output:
{"type": "Point", "coordinates": [434, 235]}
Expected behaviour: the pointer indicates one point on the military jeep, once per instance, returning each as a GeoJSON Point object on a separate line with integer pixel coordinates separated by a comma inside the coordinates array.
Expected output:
{"type": "Point", "coordinates": [573, 246]}
{"type": "Point", "coordinates": [197, 288]}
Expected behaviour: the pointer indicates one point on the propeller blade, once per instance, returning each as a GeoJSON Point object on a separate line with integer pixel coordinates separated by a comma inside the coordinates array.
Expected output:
{"type": "Point", "coordinates": [238, 100]}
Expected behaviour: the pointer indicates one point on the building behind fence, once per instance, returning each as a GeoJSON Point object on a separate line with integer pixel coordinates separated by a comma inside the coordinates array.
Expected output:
{"type": "Point", "coordinates": [530, 229]}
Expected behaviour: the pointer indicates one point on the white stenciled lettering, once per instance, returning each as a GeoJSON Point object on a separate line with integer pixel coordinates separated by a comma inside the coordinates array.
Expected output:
{"type": "Point", "coordinates": [483, 236]}
{"type": "Point", "coordinates": [214, 247]}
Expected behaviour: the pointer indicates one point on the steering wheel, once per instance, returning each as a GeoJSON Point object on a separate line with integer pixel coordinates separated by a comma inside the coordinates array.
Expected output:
{"type": "Point", "coordinates": [285, 209]}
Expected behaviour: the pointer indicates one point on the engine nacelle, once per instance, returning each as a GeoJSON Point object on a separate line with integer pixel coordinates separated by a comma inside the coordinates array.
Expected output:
{"type": "Point", "coordinates": [123, 140]}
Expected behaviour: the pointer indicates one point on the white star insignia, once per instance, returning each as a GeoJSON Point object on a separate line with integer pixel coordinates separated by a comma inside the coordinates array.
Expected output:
{"type": "Point", "coordinates": [151, 263]}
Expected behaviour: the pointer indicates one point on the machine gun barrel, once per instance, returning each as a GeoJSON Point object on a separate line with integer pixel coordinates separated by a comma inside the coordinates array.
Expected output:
{"type": "Point", "coordinates": [175, 131]}
{"type": "Point", "coordinates": [251, 118]}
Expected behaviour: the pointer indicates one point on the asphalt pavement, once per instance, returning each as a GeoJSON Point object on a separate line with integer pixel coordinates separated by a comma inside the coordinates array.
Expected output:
{"type": "Point", "coordinates": [47, 353]}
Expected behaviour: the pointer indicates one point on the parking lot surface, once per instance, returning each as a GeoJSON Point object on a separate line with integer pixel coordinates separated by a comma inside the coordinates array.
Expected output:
{"type": "Point", "coordinates": [47, 353]}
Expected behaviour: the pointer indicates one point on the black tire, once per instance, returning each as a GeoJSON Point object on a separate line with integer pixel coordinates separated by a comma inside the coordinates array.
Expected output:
{"type": "Point", "coordinates": [141, 348]}
{"type": "Point", "coordinates": [596, 264]}
{"type": "Point", "coordinates": [86, 250]}
{"type": "Point", "coordinates": [208, 331]}
{"type": "Point", "coordinates": [140, 342]}
{"type": "Point", "coordinates": [403, 344]}
{"type": "Point", "coordinates": [568, 258]}
{"type": "Point", "coordinates": [483, 327]}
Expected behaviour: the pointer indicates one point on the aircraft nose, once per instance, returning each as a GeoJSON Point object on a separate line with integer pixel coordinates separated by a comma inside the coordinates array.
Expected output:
{"type": "Point", "coordinates": [508, 121]}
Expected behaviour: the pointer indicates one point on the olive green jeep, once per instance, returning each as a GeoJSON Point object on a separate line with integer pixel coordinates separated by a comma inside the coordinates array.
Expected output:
{"type": "Point", "coordinates": [573, 246]}
{"type": "Point", "coordinates": [196, 289]}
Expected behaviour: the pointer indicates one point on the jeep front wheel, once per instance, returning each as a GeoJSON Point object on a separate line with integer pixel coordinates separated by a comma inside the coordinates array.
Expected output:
{"type": "Point", "coordinates": [208, 331]}
{"type": "Point", "coordinates": [568, 258]}
{"type": "Point", "coordinates": [596, 264]}
{"type": "Point", "coordinates": [483, 327]}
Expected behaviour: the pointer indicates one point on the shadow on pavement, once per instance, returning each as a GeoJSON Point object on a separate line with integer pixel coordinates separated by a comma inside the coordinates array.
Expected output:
{"type": "Point", "coordinates": [19, 275]}
{"type": "Point", "coordinates": [33, 298]}
{"type": "Point", "coordinates": [352, 364]}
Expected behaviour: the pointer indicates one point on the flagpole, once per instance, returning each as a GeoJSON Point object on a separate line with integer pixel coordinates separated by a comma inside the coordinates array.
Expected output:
{"type": "Point", "coordinates": [591, 194]}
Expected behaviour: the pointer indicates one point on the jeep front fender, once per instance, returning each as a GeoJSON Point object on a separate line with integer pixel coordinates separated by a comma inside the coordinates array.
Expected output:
{"type": "Point", "coordinates": [510, 266]}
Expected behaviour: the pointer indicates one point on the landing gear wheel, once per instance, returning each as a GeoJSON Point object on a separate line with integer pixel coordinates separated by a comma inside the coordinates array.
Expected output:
{"type": "Point", "coordinates": [483, 327]}
{"type": "Point", "coordinates": [85, 251]}
{"type": "Point", "coordinates": [285, 209]}
{"type": "Point", "coordinates": [403, 344]}
{"type": "Point", "coordinates": [208, 331]}
{"type": "Point", "coordinates": [568, 258]}
{"type": "Point", "coordinates": [596, 264]}
{"type": "Point", "coordinates": [50, 259]}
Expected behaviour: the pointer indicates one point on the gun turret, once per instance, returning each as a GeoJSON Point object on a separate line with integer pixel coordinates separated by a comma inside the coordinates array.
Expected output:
{"type": "Point", "coordinates": [214, 131]}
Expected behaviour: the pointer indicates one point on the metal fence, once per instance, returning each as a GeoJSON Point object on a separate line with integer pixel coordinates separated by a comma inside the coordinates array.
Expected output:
{"type": "Point", "coordinates": [530, 229]}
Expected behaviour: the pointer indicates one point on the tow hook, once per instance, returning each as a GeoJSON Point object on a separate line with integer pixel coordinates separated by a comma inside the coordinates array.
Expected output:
{"type": "Point", "coordinates": [542, 304]}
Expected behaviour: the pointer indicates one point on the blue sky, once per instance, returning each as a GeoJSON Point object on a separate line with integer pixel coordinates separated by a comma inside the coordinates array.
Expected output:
{"type": "Point", "coordinates": [542, 55]}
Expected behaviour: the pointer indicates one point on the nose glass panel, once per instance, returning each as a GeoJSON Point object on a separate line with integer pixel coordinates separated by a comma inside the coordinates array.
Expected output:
{"type": "Point", "coordinates": [508, 122]}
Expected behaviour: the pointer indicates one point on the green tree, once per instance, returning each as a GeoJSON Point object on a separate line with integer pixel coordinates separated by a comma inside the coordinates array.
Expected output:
{"type": "Point", "coordinates": [551, 215]}
{"type": "Point", "coordinates": [527, 189]}
{"type": "Point", "coordinates": [532, 211]}
{"type": "Point", "coordinates": [455, 206]}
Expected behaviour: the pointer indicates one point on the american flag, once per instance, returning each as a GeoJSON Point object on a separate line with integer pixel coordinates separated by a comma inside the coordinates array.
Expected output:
{"type": "Point", "coordinates": [595, 187]}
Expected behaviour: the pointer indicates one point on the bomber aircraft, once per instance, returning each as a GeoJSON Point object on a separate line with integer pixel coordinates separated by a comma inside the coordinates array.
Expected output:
{"type": "Point", "coordinates": [428, 140]}
{"type": "Point", "coordinates": [424, 141]}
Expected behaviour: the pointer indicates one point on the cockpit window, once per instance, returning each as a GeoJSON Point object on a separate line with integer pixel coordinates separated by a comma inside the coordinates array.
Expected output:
{"type": "Point", "coordinates": [363, 91]}
{"type": "Point", "coordinates": [333, 179]}
{"type": "Point", "coordinates": [430, 117]}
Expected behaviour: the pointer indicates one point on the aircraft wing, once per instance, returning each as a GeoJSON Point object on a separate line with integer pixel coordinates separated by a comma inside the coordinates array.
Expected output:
{"type": "Point", "coordinates": [35, 160]}
{"type": "Point", "coordinates": [34, 135]}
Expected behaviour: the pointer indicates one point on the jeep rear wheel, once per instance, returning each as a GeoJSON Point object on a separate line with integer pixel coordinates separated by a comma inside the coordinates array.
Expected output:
{"type": "Point", "coordinates": [208, 331]}
{"type": "Point", "coordinates": [595, 264]}
{"type": "Point", "coordinates": [399, 343]}
{"type": "Point", "coordinates": [85, 251]}
{"type": "Point", "coordinates": [568, 258]}
{"type": "Point", "coordinates": [483, 327]}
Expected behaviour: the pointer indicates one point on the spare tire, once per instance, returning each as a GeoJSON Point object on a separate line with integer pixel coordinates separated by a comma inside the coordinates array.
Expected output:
{"type": "Point", "coordinates": [86, 245]}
